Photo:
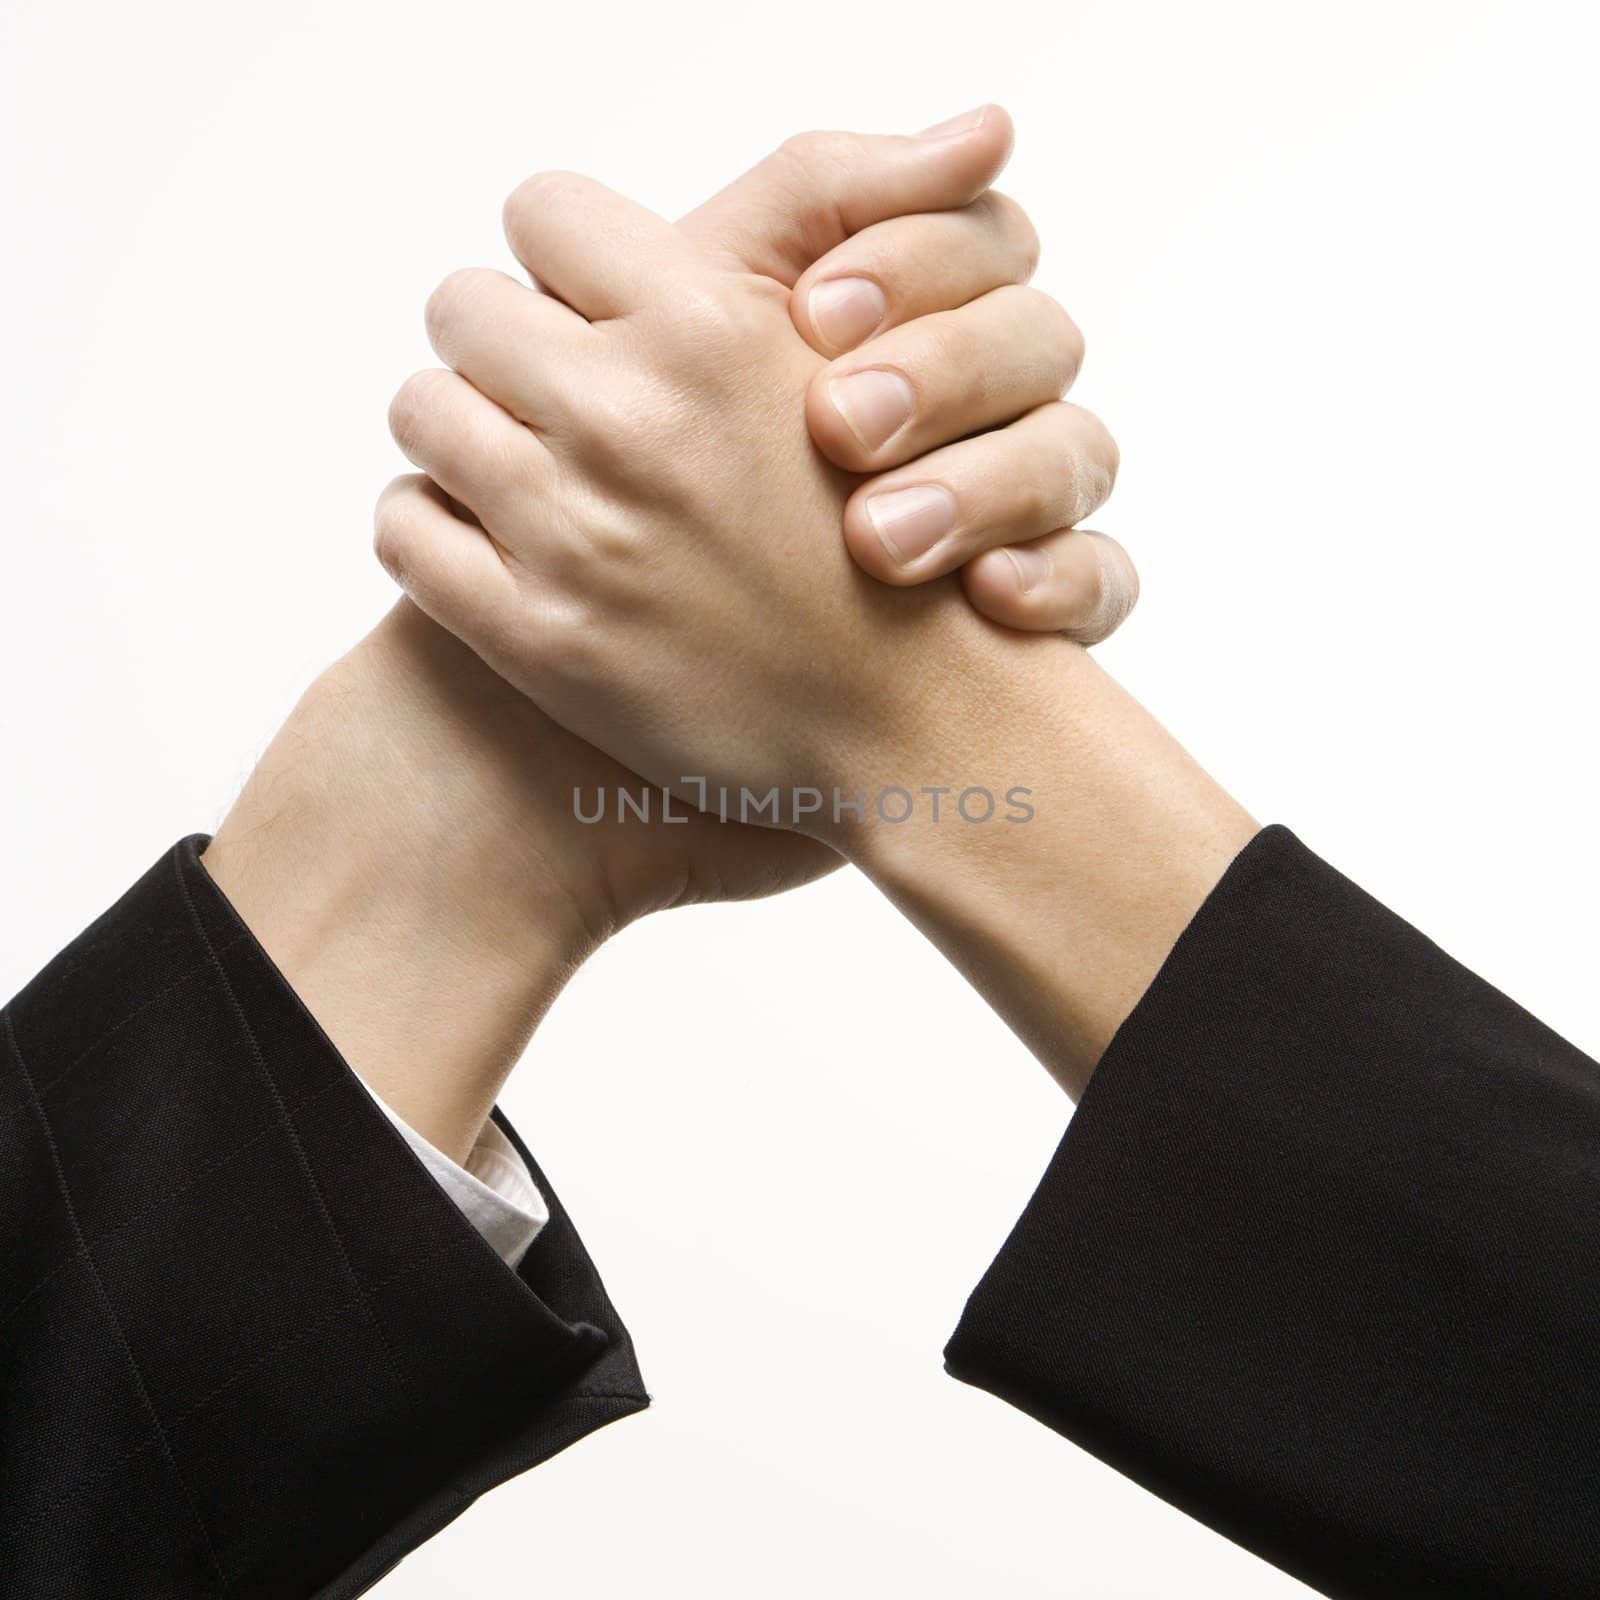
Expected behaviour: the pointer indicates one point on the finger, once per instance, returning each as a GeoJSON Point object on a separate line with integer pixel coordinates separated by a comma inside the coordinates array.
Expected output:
{"type": "Point", "coordinates": [942, 377]}
{"type": "Point", "coordinates": [512, 343]}
{"type": "Point", "coordinates": [601, 253]}
{"type": "Point", "coordinates": [448, 566]}
{"type": "Point", "coordinates": [1048, 470]}
{"type": "Point", "coordinates": [473, 449]}
{"type": "Point", "coordinates": [1073, 581]}
{"type": "Point", "coordinates": [817, 189]}
{"type": "Point", "coordinates": [907, 267]}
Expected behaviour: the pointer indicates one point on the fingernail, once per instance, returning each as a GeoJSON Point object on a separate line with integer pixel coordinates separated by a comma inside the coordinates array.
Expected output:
{"type": "Point", "coordinates": [875, 405]}
{"type": "Point", "coordinates": [956, 126]}
{"type": "Point", "coordinates": [844, 311]}
{"type": "Point", "coordinates": [1033, 566]}
{"type": "Point", "coordinates": [912, 521]}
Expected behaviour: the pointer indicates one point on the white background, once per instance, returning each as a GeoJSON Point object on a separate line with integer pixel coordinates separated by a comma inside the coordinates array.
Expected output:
{"type": "Point", "coordinates": [1337, 267]}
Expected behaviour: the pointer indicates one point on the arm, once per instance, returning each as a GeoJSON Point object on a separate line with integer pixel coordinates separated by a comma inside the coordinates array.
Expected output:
{"type": "Point", "coordinates": [246, 1341]}
{"type": "Point", "coordinates": [408, 851]}
{"type": "Point", "coordinates": [1063, 920]}
{"type": "Point", "coordinates": [1316, 1259]}
{"type": "Point", "coordinates": [428, 950]}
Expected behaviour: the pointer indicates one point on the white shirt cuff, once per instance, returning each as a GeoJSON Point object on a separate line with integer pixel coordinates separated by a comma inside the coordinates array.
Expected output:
{"type": "Point", "coordinates": [495, 1192]}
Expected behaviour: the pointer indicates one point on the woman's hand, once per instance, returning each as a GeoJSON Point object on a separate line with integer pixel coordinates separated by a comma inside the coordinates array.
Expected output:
{"type": "Point", "coordinates": [654, 556]}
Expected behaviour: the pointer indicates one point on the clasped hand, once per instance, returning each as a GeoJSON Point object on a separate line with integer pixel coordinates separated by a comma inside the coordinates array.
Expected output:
{"type": "Point", "coordinates": [648, 474]}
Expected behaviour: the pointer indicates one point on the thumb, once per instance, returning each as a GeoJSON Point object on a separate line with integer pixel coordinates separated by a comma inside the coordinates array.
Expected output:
{"type": "Point", "coordinates": [817, 189]}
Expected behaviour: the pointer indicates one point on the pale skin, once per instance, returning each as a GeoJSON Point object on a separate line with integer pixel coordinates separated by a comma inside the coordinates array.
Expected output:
{"type": "Point", "coordinates": [647, 557]}
{"type": "Point", "coordinates": [407, 851]}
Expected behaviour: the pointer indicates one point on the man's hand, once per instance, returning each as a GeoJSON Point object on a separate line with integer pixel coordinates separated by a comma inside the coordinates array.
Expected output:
{"type": "Point", "coordinates": [1003, 505]}
{"type": "Point", "coordinates": [408, 849]}
{"type": "Point", "coordinates": [654, 557]}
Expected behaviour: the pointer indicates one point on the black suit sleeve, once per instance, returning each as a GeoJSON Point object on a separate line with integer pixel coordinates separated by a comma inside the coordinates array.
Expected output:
{"type": "Point", "coordinates": [247, 1345]}
{"type": "Point", "coordinates": [1318, 1259]}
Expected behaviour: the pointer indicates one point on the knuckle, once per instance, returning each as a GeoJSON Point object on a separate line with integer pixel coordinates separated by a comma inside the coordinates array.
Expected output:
{"type": "Point", "coordinates": [798, 146]}
{"type": "Point", "coordinates": [394, 537]}
{"type": "Point", "coordinates": [618, 431]}
{"type": "Point", "coordinates": [1095, 600]}
{"type": "Point", "coordinates": [453, 300]}
{"type": "Point", "coordinates": [1094, 459]}
{"type": "Point", "coordinates": [1129, 589]}
{"type": "Point", "coordinates": [1103, 448]}
{"type": "Point", "coordinates": [600, 547]}
{"type": "Point", "coordinates": [1016, 229]}
{"type": "Point", "coordinates": [1114, 590]}
{"type": "Point", "coordinates": [1076, 347]}
{"type": "Point", "coordinates": [816, 149]}
{"type": "Point", "coordinates": [1063, 467]}
{"type": "Point", "coordinates": [541, 195]}
{"type": "Point", "coordinates": [612, 546]}
{"type": "Point", "coordinates": [1061, 336]}
{"type": "Point", "coordinates": [412, 406]}
{"type": "Point", "coordinates": [814, 169]}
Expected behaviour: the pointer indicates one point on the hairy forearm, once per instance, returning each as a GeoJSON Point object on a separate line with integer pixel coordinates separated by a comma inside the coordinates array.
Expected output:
{"type": "Point", "coordinates": [1060, 921]}
{"type": "Point", "coordinates": [390, 853]}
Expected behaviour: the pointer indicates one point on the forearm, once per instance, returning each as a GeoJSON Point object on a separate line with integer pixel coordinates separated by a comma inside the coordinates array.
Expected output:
{"type": "Point", "coordinates": [295, 1357]}
{"type": "Point", "coordinates": [389, 853]}
{"type": "Point", "coordinates": [1062, 920]}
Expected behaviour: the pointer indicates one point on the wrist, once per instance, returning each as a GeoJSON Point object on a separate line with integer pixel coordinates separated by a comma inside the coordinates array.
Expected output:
{"type": "Point", "coordinates": [1062, 913]}
{"type": "Point", "coordinates": [393, 853]}
{"type": "Point", "coordinates": [478, 782]}
{"type": "Point", "coordinates": [954, 740]}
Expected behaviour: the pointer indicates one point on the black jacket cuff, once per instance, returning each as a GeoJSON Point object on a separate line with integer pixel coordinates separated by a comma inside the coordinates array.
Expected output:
{"type": "Point", "coordinates": [1318, 1259]}
{"type": "Point", "coordinates": [251, 1342]}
